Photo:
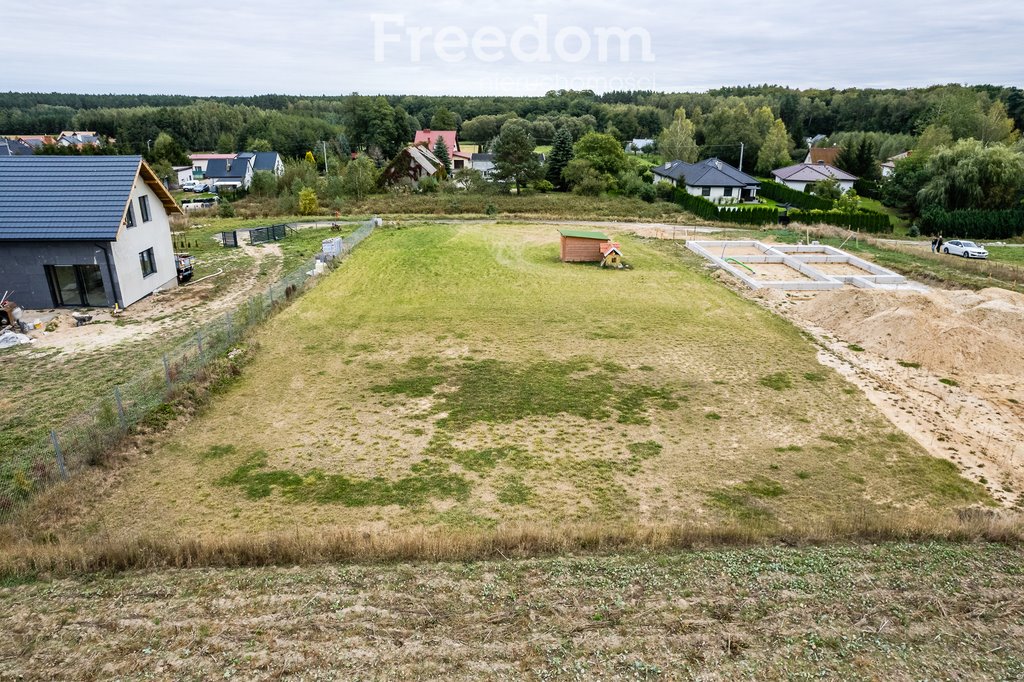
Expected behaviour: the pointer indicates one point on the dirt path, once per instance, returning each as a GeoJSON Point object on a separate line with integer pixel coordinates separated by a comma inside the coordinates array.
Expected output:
{"type": "Point", "coordinates": [975, 421]}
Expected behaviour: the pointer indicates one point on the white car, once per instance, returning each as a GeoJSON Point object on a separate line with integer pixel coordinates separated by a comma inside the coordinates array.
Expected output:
{"type": "Point", "coordinates": [958, 247]}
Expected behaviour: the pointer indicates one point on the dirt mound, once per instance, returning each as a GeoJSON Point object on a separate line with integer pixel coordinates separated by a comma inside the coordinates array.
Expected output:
{"type": "Point", "coordinates": [964, 331]}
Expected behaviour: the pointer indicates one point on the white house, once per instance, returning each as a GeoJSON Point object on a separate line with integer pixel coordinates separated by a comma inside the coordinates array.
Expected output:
{"type": "Point", "coordinates": [713, 179]}
{"type": "Point", "coordinates": [233, 173]}
{"type": "Point", "coordinates": [889, 166]}
{"type": "Point", "coordinates": [87, 231]}
{"type": "Point", "coordinates": [183, 174]}
{"type": "Point", "coordinates": [801, 175]}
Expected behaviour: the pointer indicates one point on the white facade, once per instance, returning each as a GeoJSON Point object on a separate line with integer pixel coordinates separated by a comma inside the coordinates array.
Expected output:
{"type": "Point", "coordinates": [800, 186]}
{"type": "Point", "coordinates": [131, 241]}
{"type": "Point", "coordinates": [184, 174]}
{"type": "Point", "coordinates": [716, 194]}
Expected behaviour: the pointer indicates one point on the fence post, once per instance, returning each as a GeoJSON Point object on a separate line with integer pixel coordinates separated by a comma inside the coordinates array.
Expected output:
{"type": "Point", "coordinates": [120, 408]}
{"type": "Point", "coordinates": [167, 372]}
{"type": "Point", "coordinates": [60, 455]}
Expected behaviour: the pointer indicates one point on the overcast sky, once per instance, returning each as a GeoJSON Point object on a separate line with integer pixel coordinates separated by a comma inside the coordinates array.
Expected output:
{"type": "Point", "coordinates": [507, 47]}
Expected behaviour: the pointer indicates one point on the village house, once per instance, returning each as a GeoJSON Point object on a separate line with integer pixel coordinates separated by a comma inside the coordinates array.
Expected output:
{"type": "Point", "coordinates": [88, 231]}
{"type": "Point", "coordinates": [713, 179]}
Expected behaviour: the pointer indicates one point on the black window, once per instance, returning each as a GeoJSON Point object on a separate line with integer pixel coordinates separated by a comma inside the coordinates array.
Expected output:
{"type": "Point", "coordinates": [148, 262]}
{"type": "Point", "coordinates": [144, 209]}
{"type": "Point", "coordinates": [706, 191]}
{"type": "Point", "coordinates": [728, 191]}
{"type": "Point", "coordinates": [130, 218]}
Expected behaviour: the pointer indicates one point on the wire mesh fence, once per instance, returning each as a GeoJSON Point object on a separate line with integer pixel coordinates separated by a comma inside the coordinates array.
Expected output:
{"type": "Point", "coordinates": [145, 400]}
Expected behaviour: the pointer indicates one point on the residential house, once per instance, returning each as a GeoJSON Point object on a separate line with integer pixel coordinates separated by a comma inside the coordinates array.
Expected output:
{"type": "Point", "coordinates": [268, 161]}
{"type": "Point", "coordinates": [233, 173]}
{"type": "Point", "coordinates": [483, 163]}
{"type": "Point", "coordinates": [14, 147]}
{"type": "Point", "coordinates": [429, 138]}
{"type": "Point", "coordinates": [713, 179]}
{"type": "Point", "coordinates": [78, 139]}
{"type": "Point", "coordinates": [200, 162]}
{"type": "Point", "coordinates": [182, 174]}
{"type": "Point", "coordinates": [35, 141]}
{"type": "Point", "coordinates": [639, 145]}
{"type": "Point", "coordinates": [801, 175]}
{"type": "Point", "coordinates": [84, 230]}
{"type": "Point", "coordinates": [412, 163]}
{"type": "Point", "coordinates": [826, 155]}
{"type": "Point", "coordinates": [889, 166]}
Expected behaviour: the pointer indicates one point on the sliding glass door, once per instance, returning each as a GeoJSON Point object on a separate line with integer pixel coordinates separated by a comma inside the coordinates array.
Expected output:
{"type": "Point", "coordinates": [76, 285]}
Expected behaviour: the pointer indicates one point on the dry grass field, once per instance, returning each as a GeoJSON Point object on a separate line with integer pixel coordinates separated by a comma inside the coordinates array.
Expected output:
{"type": "Point", "coordinates": [461, 377]}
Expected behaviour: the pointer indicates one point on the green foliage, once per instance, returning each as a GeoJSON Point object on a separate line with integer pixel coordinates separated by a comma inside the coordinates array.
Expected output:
{"type": "Point", "coordinates": [166, 148]}
{"type": "Point", "coordinates": [677, 141]}
{"type": "Point", "coordinates": [441, 152]}
{"type": "Point", "coordinates": [360, 177]}
{"type": "Point", "coordinates": [864, 221]}
{"type": "Point", "coordinates": [900, 189]}
{"type": "Point", "coordinates": [308, 204]}
{"type": "Point", "coordinates": [703, 208]}
{"type": "Point", "coordinates": [443, 119]}
{"type": "Point", "coordinates": [264, 184]}
{"type": "Point", "coordinates": [775, 151]}
{"type": "Point", "coordinates": [781, 194]}
{"type": "Point", "coordinates": [226, 143]}
{"type": "Point", "coordinates": [514, 158]}
{"type": "Point", "coordinates": [972, 175]}
{"type": "Point", "coordinates": [974, 224]}
{"type": "Point", "coordinates": [780, 381]}
{"type": "Point", "coordinates": [559, 157]}
{"type": "Point", "coordinates": [603, 152]}
{"type": "Point", "coordinates": [226, 210]}
{"type": "Point", "coordinates": [259, 144]}
{"type": "Point", "coordinates": [827, 189]}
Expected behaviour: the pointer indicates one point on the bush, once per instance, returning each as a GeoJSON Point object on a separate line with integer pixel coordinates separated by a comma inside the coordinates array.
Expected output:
{"type": "Point", "coordinates": [543, 186]}
{"type": "Point", "coordinates": [226, 210]}
{"type": "Point", "coordinates": [786, 195]}
{"type": "Point", "coordinates": [914, 231]}
{"type": "Point", "coordinates": [973, 224]}
{"type": "Point", "coordinates": [703, 208]}
{"type": "Point", "coordinates": [867, 221]}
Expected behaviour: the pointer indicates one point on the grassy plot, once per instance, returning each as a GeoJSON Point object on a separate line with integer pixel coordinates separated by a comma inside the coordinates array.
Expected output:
{"type": "Point", "coordinates": [463, 376]}
{"type": "Point", "coordinates": [887, 612]}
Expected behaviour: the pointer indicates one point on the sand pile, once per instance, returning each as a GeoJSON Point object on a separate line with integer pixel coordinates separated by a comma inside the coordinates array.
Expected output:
{"type": "Point", "coordinates": [963, 331]}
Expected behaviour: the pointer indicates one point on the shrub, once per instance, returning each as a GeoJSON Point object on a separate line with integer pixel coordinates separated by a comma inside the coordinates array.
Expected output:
{"type": "Point", "coordinates": [226, 210]}
{"type": "Point", "coordinates": [973, 224]}
{"type": "Point", "coordinates": [786, 195]}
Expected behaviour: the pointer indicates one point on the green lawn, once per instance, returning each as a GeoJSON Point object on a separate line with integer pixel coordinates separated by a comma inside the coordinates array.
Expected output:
{"type": "Point", "coordinates": [461, 376]}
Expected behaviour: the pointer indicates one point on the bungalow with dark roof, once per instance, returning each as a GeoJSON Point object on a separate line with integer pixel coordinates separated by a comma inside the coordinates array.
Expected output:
{"type": "Point", "coordinates": [84, 230]}
{"type": "Point", "coordinates": [801, 175]}
{"type": "Point", "coordinates": [233, 173]}
{"type": "Point", "coordinates": [14, 147]}
{"type": "Point", "coordinates": [713, 179]}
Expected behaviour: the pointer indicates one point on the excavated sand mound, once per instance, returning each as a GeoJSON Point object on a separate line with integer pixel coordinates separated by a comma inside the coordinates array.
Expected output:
{"type": "Point", "coordinates": [971, 332]}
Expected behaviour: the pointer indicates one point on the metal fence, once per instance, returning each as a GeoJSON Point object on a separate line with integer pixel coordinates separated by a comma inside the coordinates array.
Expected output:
{"type": "Point", "coordinates": [145, 401]}
{"type": "Point", "coordinates": [261, 235]}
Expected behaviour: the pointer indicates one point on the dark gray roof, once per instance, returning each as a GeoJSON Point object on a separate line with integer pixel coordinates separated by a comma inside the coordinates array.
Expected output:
{"type": "Point", "coordinates": [265, 161]}
{"type": "Point", "coordinates": [10, 147]}
{"type": "Point", "coordinates": [478, 158]}
{"type": "Point", "coordinates": [68, 197]}
{"type": "Point", "coordinates": [707, 173]}
{"type": "Point", "coordinates": [220, 168]}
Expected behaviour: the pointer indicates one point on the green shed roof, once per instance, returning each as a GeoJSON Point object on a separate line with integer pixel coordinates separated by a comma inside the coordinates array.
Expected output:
{"type": "Point", "coordinates": [583, 234]}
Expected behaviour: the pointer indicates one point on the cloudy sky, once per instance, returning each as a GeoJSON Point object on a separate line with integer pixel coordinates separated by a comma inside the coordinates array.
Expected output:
{"type": "Point", "coordinates": [507, 47]}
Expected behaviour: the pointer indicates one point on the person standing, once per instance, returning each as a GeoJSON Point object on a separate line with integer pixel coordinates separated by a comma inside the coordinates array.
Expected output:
{"type": "Point", "coordinates": [935, 240]}
{"type": "Point", "coordinates": [938, 245]}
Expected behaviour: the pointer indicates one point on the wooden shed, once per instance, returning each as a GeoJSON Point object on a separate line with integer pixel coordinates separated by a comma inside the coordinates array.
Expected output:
{"type": "Point", "coordinates": [579, 246]}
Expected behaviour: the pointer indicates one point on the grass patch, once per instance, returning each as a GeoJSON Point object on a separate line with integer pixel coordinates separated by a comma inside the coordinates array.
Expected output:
{"type": "Point", "coordinates": [780, 381]}
{"type": "Point", "coordinates": [855, 348]}
{"type": "Point", "coordinates": [909, 365]}
{"type": "Point", "coordinates": [949, 382]}
{"type": "Point", "coordinates": [429, 480]}
{"type": "Point", "coordinates": [513, 491]}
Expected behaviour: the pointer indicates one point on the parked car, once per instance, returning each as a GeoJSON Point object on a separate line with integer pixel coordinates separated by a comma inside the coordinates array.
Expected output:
{"type": "Point", "coordinates": [201, 187]}
{"type": "Point", "coordinates": [959, 247]}
{"type": "Point", "coordinates": [188, 186]}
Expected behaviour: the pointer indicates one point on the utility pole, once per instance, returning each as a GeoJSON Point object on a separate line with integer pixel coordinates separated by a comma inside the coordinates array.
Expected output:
{"type": "Point", "coordinates": [325, 157]}
{"type": "Point", "coordinates": [741, 156]}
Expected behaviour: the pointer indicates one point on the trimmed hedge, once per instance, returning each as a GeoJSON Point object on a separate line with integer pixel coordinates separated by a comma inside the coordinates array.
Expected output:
{"type": "Point", "coordinates": [702, 208]}
{"type": "Point", "coordinates": [869, 222]}
{"type": "Point", "coordinates": [781, 194]}
{"type": "Point", "coordinates": [973, 224]}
